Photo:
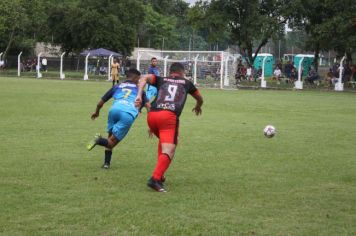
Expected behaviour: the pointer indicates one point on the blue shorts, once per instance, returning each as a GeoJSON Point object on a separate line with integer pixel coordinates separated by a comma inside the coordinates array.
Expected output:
{"type": "Point", "coordinates": [119, 123]}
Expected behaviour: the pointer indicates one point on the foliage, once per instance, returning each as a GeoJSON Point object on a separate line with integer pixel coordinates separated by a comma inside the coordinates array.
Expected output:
{"type": "Point", "coordinates": [328, 24]}
{"type": "Point", "coordinates": [247, 21]}
{"type": "Point", "coordinates": [91, 24]}
{"type": "Point", "coordinates": [21, 24]}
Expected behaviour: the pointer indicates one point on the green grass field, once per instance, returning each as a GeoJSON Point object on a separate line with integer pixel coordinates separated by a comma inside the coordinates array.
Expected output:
{"type": "Point", "coordinates": [226, 179]}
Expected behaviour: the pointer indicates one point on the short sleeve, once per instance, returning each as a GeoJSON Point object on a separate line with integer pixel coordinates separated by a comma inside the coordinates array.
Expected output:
{"type": "Point", "coordinates": [108, 94]}
{"type": "Point", "coordinates": [192, 89]}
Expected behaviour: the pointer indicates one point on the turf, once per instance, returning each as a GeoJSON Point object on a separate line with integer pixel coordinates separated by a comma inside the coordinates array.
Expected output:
{"type": "Point", "coordinates": [226, 179]}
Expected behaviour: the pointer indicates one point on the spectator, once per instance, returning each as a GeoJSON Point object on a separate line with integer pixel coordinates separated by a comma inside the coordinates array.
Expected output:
{"type": "Point", "coordinates": [2, 64]}
{"type": "Point", "coordinates": [239, 72]}
{"type": "Point", "coordinates": [258, 75]}
{"type": "Point", "coordinates": [335, 70]}
{"type": "Point", "coordinates": [44, 64]}
{"type": "Point", "coordinates": [277, 73]}
{"type": "Point", "coordinates": [330, 78]}
{"type": "Point", "coordinates": [249, 75]}
{"type": "Point", "coordinates": [347, 73]}
{"type": "Point", "coordinates": [293, 75]}
{"type": "Point", "coordinates": [312, 76]}
{"type": "Point", "coordinates": [353, 72]}
{"type": "Point", "coordinates": [279, 65]}
{"type": "Point", "coordinates": [288, 69]}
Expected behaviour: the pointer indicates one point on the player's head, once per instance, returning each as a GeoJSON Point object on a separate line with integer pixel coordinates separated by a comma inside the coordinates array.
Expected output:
{"type": "Point", "coordinates": [177, 68]}
{"type": "Point", "coordinates": [133, 75]}
{"type": "Point", "coordinates": [154, 61]}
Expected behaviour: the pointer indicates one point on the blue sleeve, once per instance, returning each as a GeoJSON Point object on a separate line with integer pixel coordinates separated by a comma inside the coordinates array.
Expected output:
{"type": "Point", "coordinates": [108, 94]}
{"type": "Point", "coordinates": [144, 101]}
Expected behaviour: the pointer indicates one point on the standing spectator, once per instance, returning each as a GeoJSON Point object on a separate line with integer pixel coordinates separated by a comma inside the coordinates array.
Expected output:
{"type": "Point", "coordinates": [288, 69]}
{"type": "Point", "coordinates": [239, 72]}
{"type": "Point", "coordinates": [44, 64]}
{"type": "Point", "coordinates": [115, 67]}
{"type": "Point", "coordinates": [353, 72]}
{"type": "Point", "coordinates": [335, 70]}
{"type": "Point", "coordinates": [347, 73]}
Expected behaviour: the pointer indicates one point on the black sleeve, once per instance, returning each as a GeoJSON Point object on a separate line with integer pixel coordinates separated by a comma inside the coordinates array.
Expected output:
{"type": "Point", "coordinates": [157, 82]}
{"type": "Point", "coordinates": [144, 101]}
{"type": "Point", "coordinates": [191, 89]}
{"type": "Point", "coordinates": [108, 94]}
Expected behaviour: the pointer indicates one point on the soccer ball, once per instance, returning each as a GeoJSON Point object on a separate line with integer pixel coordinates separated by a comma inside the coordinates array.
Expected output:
{"type": "Point", "coordinates": [269, 131]}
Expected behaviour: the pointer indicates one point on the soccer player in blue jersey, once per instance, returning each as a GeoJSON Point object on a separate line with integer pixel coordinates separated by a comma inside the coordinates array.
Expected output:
{"type": "Point", "coordinates": [122, 113]}
{"type": "Point", "coordinates": [151, 91]}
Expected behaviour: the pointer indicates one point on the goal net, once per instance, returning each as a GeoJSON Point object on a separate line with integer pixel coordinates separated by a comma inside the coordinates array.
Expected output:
{"type": "Point", "coordinates": [214, 69]}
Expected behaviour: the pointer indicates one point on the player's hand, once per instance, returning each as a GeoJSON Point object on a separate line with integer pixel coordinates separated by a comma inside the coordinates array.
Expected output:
{"type": "Point", "coordinates": [138, 101]}
{"type": "Point", "coordinates": [94, 115]}
{"type": "Point", "coordinates": [150, 133]}
{"type": "Point", "coordinates": [197, 110]}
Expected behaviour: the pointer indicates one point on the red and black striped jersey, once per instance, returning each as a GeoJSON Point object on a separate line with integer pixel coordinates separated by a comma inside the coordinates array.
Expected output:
{"type": "Point", "coordinates": [172, 93]}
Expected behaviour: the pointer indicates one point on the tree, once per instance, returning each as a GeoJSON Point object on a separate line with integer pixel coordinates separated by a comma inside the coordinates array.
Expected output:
{"type": "Point", "coordinates": [78, 25]}
{"type": "Point", "coordinates": [21, 23]}
{"type": "Point", "coordinates": [246, 21]}
{"type": "Point", "coordinates": [328, 24]}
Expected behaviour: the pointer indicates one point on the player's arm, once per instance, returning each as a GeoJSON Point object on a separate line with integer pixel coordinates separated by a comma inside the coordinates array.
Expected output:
{"type": "Point", "coordinates": [149, 78]}
{"type": "Point", "coordinates": [199, 102]}
{"type": "Point", "coordinates": [101, 103]}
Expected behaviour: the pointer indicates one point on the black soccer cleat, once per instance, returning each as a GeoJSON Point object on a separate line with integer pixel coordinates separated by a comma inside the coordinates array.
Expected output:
{"type": "Point", "coordinates": [156, 185]}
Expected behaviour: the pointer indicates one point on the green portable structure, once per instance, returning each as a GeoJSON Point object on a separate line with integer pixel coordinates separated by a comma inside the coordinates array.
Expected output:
{"type": "Point", "coordinates": [307, 62]}
{"type": "Point", "coordinates": [257, 64]}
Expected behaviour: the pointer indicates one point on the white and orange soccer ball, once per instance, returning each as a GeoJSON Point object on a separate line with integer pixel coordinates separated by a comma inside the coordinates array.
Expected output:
{"type": "Point", "coordinates": [269, 131]}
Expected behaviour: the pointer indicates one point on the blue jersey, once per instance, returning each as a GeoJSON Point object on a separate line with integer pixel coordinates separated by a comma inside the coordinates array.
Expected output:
{"type": "Point", "coordinates": [124, 95]}
{"type": "Point", "coordinates": [153, 70]}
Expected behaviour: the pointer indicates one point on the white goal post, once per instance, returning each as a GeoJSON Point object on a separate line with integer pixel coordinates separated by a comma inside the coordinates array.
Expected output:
{"type": "Point", "coordinates": [205, 68]}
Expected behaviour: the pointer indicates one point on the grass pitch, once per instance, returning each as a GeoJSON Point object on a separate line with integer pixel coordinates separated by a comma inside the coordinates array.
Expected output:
{"type": "Point", "coordinates": [226, 179]}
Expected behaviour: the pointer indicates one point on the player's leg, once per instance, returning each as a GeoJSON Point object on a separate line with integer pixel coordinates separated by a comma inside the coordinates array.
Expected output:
{"type": "Point", "coordinates": [108, 154]}
{"type": "Point", "coordinates": [167, 124]}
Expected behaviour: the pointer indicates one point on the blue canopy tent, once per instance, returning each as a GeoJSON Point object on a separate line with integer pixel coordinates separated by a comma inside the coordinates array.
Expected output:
{"type": "Point", "coordinates": [100, 52]}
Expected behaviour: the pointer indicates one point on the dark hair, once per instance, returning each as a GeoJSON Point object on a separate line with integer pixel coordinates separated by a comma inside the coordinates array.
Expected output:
{"type": "Point", "coordinates": [132, 72]}
{"type": "Point", "coordinates": [153, 58]}
{"type": "Point", "coordinates": [176, 67]}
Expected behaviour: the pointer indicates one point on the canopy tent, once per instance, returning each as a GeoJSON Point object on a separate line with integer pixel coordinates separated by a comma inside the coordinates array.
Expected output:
{"type": "Point", "coordinates": [101, 52]}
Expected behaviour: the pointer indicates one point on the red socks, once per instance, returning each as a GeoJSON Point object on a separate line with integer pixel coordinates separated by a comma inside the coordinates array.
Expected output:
{"type": "Point", "coordinates": [161, 166]}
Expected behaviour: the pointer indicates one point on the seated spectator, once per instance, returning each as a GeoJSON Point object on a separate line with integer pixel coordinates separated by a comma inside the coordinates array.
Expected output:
{"type": "Point", "coordinates": [312, 76]}
{"type": "Point", "coordinates": [249, 75]}
{"type": "Point", "coordinates": [277, 74]}
{"type": "Point", "coordinates": [103, 70]}
{"type": "Point", "coordinates": [293, 76]}
{"type": "Point", "coordinates": [258, 74]}
{"type": "Point", "coordinates": [330, 78]}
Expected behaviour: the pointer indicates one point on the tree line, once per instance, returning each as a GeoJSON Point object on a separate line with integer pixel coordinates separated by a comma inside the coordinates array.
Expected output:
{"type": "Point", "coordinates": [171, 24]}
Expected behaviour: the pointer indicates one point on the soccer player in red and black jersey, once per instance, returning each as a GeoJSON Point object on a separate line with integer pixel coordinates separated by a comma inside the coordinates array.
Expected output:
{"type": "Point", "coordinates": [163, 118]}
